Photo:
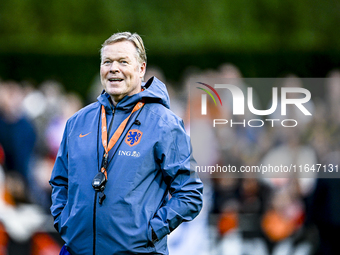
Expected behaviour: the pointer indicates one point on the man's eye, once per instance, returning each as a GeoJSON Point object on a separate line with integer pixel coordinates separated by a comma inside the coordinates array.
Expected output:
{"type": "Point", "coordinates": [123, 62]}
{"type": "Point", "coordinates": [106, 62]}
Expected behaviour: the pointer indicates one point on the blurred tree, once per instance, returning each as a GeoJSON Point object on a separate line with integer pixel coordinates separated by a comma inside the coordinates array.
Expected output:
{"type": "Point", "coordinates": [73, 27]}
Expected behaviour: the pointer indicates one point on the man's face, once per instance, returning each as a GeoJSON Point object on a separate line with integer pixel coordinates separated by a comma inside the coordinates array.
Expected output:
{"type": "Point", "coordinates": [120, 72]}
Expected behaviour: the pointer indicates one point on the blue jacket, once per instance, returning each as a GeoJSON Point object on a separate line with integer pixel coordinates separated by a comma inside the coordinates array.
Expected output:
{"type": "Point", "coordinates": [150, 182]}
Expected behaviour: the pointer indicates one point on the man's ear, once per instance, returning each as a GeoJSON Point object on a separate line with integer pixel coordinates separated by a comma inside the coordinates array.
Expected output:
{"type": "Point", "coordinates": [142, 70]}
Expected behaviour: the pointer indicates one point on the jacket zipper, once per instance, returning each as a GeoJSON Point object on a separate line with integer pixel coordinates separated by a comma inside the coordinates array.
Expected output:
{"type": "Point", "coordinates": [95, 200]}
{"type": "Point", "coordinates": [94, 222]}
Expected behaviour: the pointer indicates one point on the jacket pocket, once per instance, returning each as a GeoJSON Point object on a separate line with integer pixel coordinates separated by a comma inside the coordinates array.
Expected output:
{"type": "Point", "coordinates": [149, 236]}
{"type": "Point", "coordinates": [149, 244]}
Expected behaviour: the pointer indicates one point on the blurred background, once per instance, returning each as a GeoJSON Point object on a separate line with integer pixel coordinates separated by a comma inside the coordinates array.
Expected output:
{"type": "Point", "coordinates": [49, 69]}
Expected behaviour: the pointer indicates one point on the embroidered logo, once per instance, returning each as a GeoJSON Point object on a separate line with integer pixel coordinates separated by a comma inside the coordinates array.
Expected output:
{"type": "Point", "coordinates": [81, 135]}
{"type": "Point", "coordinates": [133, 137]}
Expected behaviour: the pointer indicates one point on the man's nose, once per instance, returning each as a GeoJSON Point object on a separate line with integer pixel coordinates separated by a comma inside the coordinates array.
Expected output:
{"type": "Point", "coordinates": [114, 68]}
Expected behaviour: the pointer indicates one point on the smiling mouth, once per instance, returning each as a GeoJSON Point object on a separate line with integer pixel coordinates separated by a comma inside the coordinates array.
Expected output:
{"type": "Point", "coordinates": [114, 79]}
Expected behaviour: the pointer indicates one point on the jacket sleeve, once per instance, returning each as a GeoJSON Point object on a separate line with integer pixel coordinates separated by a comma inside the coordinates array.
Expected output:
{"type": "Point", "coordinates": [185, 187]}
{"type": "Point", "coordinates": [59, 180]}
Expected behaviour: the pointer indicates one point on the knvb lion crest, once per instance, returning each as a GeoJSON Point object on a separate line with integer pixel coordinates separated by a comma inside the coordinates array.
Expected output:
{"type": "Point", "coordinates": [133, 137]}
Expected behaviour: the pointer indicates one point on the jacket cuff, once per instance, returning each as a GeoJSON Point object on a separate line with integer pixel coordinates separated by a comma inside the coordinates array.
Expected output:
{"type": "Point", "coordinates": [160, 229]}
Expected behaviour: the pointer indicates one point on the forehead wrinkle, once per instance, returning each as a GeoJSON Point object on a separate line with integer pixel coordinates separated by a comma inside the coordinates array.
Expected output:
{"type": "Point", "coordinates": [121, 52]}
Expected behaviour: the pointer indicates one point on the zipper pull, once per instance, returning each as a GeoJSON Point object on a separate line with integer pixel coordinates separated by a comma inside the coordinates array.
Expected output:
{"type": "Point", "coordinates": [102, 196]}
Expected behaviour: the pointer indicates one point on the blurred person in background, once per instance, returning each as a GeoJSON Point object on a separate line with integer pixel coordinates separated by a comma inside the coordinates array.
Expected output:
{"type": "Point", "coordinates": [284, 223]}
{"type": "Point", "coordinates": [17, 137]}
{"type": "Point", "coordinates": [325, 208]}
{"type": "Point", "coordinates": [17, 133]}
{"type": "Point", "coordinates": [19, 220]}
{"type": "Point", "coordinates": [144, 187]}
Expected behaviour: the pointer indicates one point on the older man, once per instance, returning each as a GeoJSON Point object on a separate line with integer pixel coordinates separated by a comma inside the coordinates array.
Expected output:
{"type": "Point", "coordinates": [122, 180]}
